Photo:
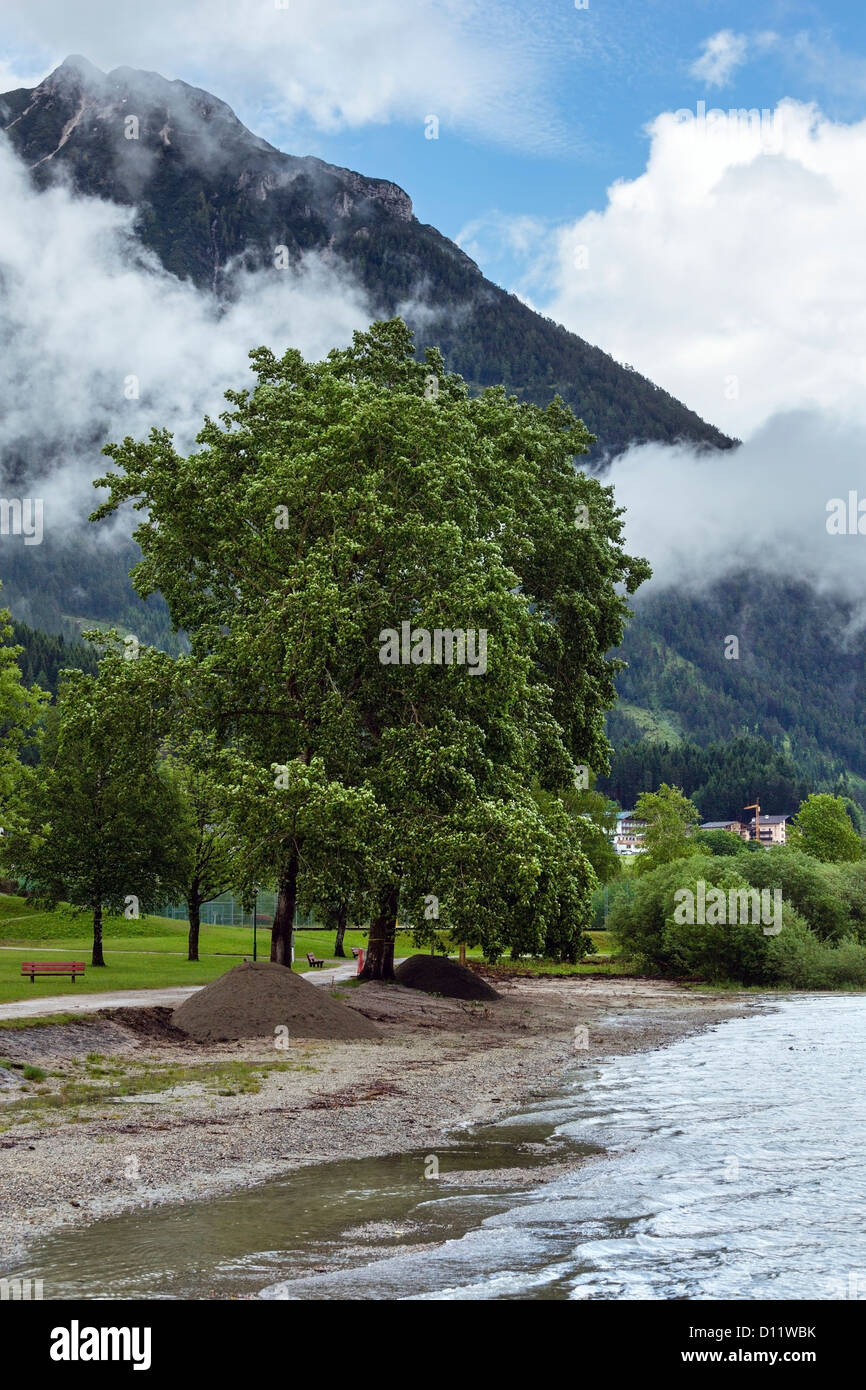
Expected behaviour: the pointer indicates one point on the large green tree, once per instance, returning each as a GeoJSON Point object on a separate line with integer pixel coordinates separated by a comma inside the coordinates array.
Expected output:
{"type": "Point", "coordinates": [822, 827]}
{"type": "Point", "coordinates": [338, 501]}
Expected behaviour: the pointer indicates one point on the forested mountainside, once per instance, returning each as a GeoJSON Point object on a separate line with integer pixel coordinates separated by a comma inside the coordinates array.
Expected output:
{"type": "Point", "coordinates": [799, 681]}
{"type": "Point", "coordinates": [44, 655]}
{"type": "Point", "coordinates": [211, 196]}
{"type": "Point", "coordinates": [76, 582]}
{"type": "Point", "coordinates": [721, 779]}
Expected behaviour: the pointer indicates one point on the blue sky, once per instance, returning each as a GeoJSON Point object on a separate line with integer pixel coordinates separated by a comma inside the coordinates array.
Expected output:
{"type": "Point", "coordinates": [610, 70]}
{"type": "Point", "coordinates": [728, 271]}
{"type": "Point", "coordinates": [541, 106]}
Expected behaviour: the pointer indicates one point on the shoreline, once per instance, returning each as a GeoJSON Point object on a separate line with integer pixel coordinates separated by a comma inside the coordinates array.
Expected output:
{"type": "Point", "coordinates": [221, 1125]}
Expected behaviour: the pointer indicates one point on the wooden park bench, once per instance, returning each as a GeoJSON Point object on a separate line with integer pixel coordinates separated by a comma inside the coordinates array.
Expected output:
{"type": "Point", "coordinates": [52, 967]}
{"type": "Point", "coordinates": [316, 964]}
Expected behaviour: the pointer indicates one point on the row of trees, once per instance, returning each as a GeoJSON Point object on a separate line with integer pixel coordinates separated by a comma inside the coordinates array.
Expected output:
{"type": "Point", "coordinates": [720, 779]}
{"type": "Point", "coordinates": [332, 501]}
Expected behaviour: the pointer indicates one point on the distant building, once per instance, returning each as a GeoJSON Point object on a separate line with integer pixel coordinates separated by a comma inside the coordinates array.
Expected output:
{"type": "Point", "coordinates": [736, 827]}
{"type": "Point", "coordinates": [628, 838]}
{"type": "Point", "coordinates": [772, 831]}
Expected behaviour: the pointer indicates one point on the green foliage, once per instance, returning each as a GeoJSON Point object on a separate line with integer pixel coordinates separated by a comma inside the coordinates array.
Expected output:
{"type": "Point", "coordinates": [638, 919]}
{"type": "Point", "coordinates": [725, 950]}
{"type": "Point", "coordinates": [592, 818]}
{"type": "Point", "coordinates": [43, 656]}
{"type": "Point", "coordinates": [822, 827]}
{"type": "Point", "coordinates": [670, 818]}
{"type": "Point", "coordinates": [21, 716]}
{"type": "Point", "coordinates": [848, 884]}
{"type": "Point", "coordinates": [804, 882]}
{"type": "Point", "coordinates": [797, 958]}
{"type": "Point", "coordinates": [823, 910]}
{"type": "Point", "coordinates": [719, 841]}
{"type": "Point", "coordinates": [332, 503]}
{"type": "Point", "coordinates": [92, 825]}
{"type": "Point", "coordinates": [721, 779]}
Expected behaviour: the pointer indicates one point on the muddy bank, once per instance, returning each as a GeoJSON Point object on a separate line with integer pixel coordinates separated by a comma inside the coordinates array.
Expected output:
{"type": "Point", "coordinates": [124, 1112]}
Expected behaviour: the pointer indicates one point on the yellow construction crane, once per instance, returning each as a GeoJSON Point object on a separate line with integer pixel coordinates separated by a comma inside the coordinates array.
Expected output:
{"type": "Point", "coordinates": [757, 810]}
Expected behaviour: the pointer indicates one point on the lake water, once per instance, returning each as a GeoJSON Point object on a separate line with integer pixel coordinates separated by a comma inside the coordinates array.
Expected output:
{"type": "Point", "coordinates": [729, 1165]}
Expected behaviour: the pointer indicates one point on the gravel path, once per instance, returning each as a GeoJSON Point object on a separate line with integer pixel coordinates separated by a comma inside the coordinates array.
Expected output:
{"type": "Point", "coordinates": [168, 997]}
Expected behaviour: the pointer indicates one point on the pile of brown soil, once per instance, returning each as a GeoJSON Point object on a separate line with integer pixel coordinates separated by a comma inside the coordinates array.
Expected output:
{"type": "Point", "coordinates": [438, 975]}
{"type": "Point", "coordinates": [254, 999]}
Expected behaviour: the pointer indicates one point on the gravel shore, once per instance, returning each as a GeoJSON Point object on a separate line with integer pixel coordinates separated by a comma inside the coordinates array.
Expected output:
{"type": "Point", "coordinates": [129, 1114]}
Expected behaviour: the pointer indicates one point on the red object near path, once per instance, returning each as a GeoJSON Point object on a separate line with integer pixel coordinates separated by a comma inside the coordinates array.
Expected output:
{"type": "Point", "coordinates": [52, 967]}
{"type": "Point", "coordinates": [360, 961]}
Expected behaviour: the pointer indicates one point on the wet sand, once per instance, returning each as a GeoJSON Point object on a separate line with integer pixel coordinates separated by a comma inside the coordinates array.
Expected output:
{"type": "Point", "coordinates": [88, 1149]}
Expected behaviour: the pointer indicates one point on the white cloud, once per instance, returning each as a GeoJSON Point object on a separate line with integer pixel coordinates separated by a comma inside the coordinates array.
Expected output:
{"type": "Point", "coordinates": [730, 271]}
{"type": "Point", "coordinates": [336, 62]}
{"type": "Point", "coordinates": [18, 73]}
{"type": "Point", "coordinates": [83, 310]}
{"type": "Point", "coordinates": [699, 517]}
{"type": "Point", "coordinates": [722, 54]}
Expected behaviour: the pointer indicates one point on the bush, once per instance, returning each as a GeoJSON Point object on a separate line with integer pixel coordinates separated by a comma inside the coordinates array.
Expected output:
{"type": "Point", "coordinates": [640, 921]}
{"type": "Point", "coordinates": [797, 958]}
{"type": "Point", "coordinates": [718, 841]}
{"type": "Point", "coordinates": [809, 886]}
{"type": "Point", "coordinates": [849, 883]}
{"type": "Point", "coordinates": [721, 950]}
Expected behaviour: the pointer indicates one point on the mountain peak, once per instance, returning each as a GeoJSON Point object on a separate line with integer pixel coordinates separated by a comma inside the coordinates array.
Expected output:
{"type": "Point", "coordinates": [77, 68]}
{"type": "Point", "coordinates": [212, 198]}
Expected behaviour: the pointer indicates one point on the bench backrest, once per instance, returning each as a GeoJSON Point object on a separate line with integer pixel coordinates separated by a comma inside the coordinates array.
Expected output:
{"type": "Point", "coordinates": [52, 967]}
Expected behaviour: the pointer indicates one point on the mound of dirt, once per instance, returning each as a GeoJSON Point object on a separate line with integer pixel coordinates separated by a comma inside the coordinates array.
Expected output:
{"type": "Point", "coordinates": [254, 999]}
{"type": "Point", "coordinates": [438, 975]}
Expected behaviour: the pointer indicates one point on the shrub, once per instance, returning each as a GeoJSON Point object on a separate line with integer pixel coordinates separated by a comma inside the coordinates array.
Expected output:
{"type": "Point", "coordinates": [849, 883]}
{"type": "Point", "coordinates": [640, 921]}
{"type": "Point", "coordinates": [729, 950]}
{"type": "Point", "coordinates": [799, 959]}
{"type": "Point", "coordinates": [808, 885]}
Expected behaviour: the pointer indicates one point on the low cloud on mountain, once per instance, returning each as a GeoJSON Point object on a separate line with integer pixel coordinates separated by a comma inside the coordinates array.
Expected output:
{"type": "Point", "coordinates": [88, 318]}
{"type": "Point", "coordinates": [761, 508]}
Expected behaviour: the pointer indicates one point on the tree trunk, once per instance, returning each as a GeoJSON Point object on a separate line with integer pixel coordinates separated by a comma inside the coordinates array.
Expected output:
{"type": "Point", "coordinates": [284, 915]}
{"type": "Point", "coordinates": [342, 918]}
{"type": "Point", "coordinates": [379, 957]}
{"type": "Point", "coordinates": [97, 958]}
{"type": "Point", "coordinates": [193, 905]}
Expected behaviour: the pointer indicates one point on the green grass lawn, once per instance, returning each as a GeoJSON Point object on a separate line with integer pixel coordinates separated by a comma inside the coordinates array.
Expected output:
{"type": "Point", "coordinates": [150, 953]}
